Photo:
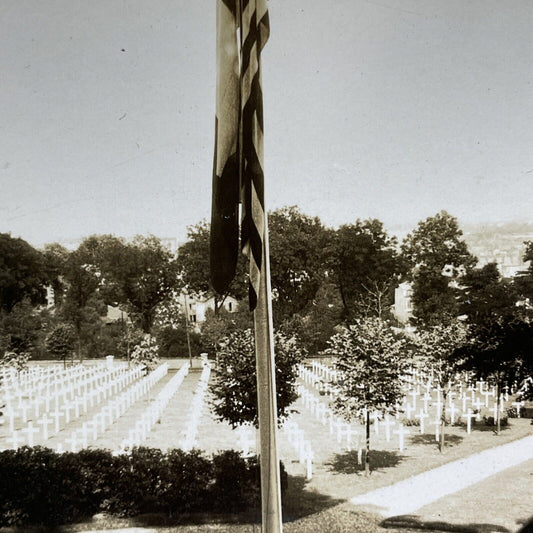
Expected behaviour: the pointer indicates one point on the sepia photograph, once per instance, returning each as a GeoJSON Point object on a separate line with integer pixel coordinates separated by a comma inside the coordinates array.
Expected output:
{"type": "Point", "coordinates": [266, 265]}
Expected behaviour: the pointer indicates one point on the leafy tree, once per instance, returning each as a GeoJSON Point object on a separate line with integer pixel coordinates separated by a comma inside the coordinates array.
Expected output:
{"type": "Point", "coordinates": [20, 329]}
{"type": "Point", "coordinates": [141, 275]}
{"type": "Point", "coordinates": [218, 326]}
{"type": "Point", "coordinates": [194, 266]}
{"type": "Point", "coordinates": [18, 361]}
{"type": "Point", "coordinates": [365, 267]}
{"type": "Point", "coordinates": [501, 353]}
{"type": "Point", "coordinates": [61, 340]}
{"type": "Point", "coordinates": [146, 353]}
{"type": "Point", "coordinates": [441, 346]}
{"type": "Point", "coordinates": [297, 260]}
{"type": "Point", "coordinates": [371, 359]}
{"type": "Point", "coordinates": [22, 273]}
{"type": "Point", "coordinates": [487, 296]}
{"type": "Point", "coordinates": [437, 258]}
{"type": "Point", "coordinates": [318, 321]}
{"type": "Point", "coordinates": [234, 388]}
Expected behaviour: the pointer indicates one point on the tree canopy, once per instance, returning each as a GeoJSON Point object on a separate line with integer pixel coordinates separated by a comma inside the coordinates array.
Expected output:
{"type": "Point", "coordinates": [437, 258]}
{"type": "Point", "coordinates": [22, 273]}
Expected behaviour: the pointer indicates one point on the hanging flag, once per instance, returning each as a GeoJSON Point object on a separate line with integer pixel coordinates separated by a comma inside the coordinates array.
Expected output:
{"type": "Point", "coordinates": [239, 133]}
{"type": "Point", "coordinates": [224, 237]}
{"type": "Point", "coordinates": [255, 32]}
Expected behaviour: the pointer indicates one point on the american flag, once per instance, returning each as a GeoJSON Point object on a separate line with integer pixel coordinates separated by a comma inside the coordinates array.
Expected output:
{"type": "Point", "coordinates": [238, 166]}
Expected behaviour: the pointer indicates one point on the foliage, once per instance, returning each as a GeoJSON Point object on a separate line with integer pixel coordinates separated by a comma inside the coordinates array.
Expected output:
{"type": "Point", "coordinates": [297, 260]}
{"type": "Point", "coordinates": [20, 329]}
{"type": "Point", "coordinates": [18, 361]}
{"type": "Point", "coordinates": [218, 326]}
{"type": "Point", "coordinates": [70, 486]}
{"type": "Point", "coordinates": [194, 266]}
{"type": "Point", "coordinates": [22, 273]}
{"type": "Point", "coordinates": [235, 388]}
{"type": "Point", "coordinates": [442, 347]}
{"type": "Point", "coordinates": [146, 353]}
{"type": "Point", "coordinates": [488, 296]}
{"type": "Point", "coordinates": [318, 322]}
{"type": "Point", "coordinates": [371, 358]}
{"type": "Point", "coordinates": [365, 267]}
{"type": "Point", "coordinates": [61, 340]}
{"type": "Point", "coordinates": [437, 258]}
{"type": "Point", "coordinates": [172, 342]}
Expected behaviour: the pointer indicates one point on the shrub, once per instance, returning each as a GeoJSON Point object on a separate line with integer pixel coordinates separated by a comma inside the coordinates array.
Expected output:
{"type": "Point", "coordinates": [41, 487]}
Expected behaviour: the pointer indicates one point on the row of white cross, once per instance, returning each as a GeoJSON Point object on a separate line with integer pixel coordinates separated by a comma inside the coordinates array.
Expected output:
{"type": "Point", "coordinates": [152, 414]}
{"type": "Point", "coordinates": [114, 407]}
{"type": "Point", "coordinates": [97, 383]}
{"type": "Point", "coordinates": [191, 431]}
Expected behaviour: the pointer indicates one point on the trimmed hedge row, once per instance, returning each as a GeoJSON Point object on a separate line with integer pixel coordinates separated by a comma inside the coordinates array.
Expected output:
{"type": "Point", "coordinates": [41, 487]}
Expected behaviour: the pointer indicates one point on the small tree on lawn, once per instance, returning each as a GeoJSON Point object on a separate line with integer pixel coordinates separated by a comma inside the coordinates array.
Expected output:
{"type": "Point", "coordinates": [18, 361]}
{"type": "Point", "coordinates": [371, 359]}
{"type": "Point", "coordinates": [61, 341]}
{"type": "Point", "coordinates": [440, 346]}
{"type": "Point", "coordinates": [146, 353]}
{"type": "Point", "coordinates": [235, 389]}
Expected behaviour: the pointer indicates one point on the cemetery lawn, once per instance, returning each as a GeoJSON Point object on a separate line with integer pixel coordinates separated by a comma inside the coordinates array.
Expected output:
{"type": "Point", "coordinates": [322, 503]}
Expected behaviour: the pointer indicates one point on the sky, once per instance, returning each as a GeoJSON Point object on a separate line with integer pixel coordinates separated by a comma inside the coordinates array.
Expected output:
{"type": "Point", "coordinates": [393, 109]}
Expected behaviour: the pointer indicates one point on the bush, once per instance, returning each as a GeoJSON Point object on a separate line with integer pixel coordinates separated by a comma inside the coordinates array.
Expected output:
{"type": "Point", "coordinates": [489, 421]}
{"type": "Point", "coordinates": [41, 487]}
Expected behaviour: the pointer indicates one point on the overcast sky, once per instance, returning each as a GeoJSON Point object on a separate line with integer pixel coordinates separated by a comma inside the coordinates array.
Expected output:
{"type": "Point", "coordinates": [392, 109]}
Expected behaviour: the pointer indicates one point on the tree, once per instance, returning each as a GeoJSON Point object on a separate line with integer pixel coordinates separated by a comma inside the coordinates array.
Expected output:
{"type": "Point", "coordinates": [20, 328]}
{"type": "Point", "coordinates": [441, 346]}
{"type": "Point", "coordinates": [146, 353]}
{"type": "Point", "coordinates": [365, 267]}
{"type": "Point", "coordinates": [524, 280]}
{"type": "Point", "coordinates": [140, 275]}
{"type": "Point", "coordinates": [61, 340]}
{"type": "Point", "coordinates": [371, 359]}
{"type": "Point", "coordinates": [55, 259]}
{"type": "Point", "coordinates": [297, 260]}
{"type": "Point", "coordinates": [501, 353]}
{"type": "Point", "coordinates": [194, 266]}
{"type": "Point", "coordinates": [234, 388]}
{"type": "Point", "coordinates": [218, 326]}
{"type": "Point", "coordinates": [487, 296]}
{"type": "Point", "coordinates": [22, 273]}
{"type": "Point", "coordinates": [437, 258]}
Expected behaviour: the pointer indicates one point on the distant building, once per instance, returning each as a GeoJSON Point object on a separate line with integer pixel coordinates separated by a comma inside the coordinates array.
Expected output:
{"type": "Point", "coordinates": [198, 306]}
{"type": "Point", "coordinates": [403, 304]}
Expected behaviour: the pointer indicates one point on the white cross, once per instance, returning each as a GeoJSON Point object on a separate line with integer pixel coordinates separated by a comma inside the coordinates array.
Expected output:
{"type": "Point", "coordinates": [452, 410]}
{"type": "Point", "coordinates": [421, 415]}
{"type": "Point", "coordinates": [436, 423]}
{"type": "Point", "coordinates": [30, 430]}
{"type": "Point", "coordinates": [45, 422]}
{"type": "Point", "coordinates": [469, 415]}
{"type": "Point", "coordinates": [401, 432]}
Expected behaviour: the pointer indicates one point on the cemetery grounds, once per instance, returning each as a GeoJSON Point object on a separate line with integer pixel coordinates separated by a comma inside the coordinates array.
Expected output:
{"type": "Point", "coordinates": [321, 453]}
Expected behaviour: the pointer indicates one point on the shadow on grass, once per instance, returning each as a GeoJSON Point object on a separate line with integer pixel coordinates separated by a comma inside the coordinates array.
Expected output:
{"type": "Point", "coordinates": [449, 440]}
{"type": "Point", "coordinates": [347, 463]}
{"type": "Point", "coordinates": [414, 522]}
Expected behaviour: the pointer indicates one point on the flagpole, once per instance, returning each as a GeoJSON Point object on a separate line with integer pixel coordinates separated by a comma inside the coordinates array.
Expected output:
{"type": "Point", "coordinates": [266, 400]}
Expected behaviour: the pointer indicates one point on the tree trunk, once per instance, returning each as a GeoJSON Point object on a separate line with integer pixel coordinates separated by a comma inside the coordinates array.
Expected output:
{"type": "Point", "coordinates": [367, 452]}
{"type": "Point", "coordinates": [442, 420]}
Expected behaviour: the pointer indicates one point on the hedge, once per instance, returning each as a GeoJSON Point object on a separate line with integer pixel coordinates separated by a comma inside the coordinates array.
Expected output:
{"type": "Point", "coordinates": [39, 486]}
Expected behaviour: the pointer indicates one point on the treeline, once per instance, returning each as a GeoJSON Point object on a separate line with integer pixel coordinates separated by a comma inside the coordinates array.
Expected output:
{"type": "Point", "coordinates": [321, 278]}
